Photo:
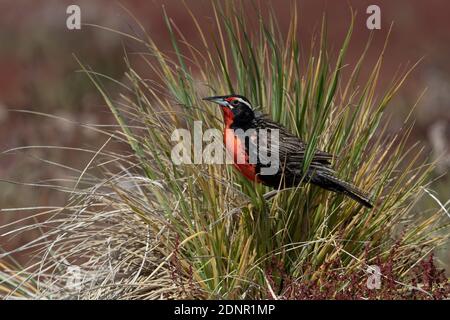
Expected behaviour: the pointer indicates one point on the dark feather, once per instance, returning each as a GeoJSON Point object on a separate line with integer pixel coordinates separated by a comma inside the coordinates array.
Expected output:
{"type": "Point", "coordinates": [291, 156]}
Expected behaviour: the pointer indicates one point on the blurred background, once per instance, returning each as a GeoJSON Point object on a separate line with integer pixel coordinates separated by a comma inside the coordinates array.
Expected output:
{"type": "Point", "coordinates": [38, 72]}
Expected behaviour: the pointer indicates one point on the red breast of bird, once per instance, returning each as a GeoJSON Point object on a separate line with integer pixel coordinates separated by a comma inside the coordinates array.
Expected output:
{"type": "Point", "coordinates": [236, 148]}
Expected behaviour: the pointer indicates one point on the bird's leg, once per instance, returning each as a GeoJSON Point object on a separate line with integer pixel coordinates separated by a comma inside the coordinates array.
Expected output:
{"type": "Point", "coordinates": [269, 195]}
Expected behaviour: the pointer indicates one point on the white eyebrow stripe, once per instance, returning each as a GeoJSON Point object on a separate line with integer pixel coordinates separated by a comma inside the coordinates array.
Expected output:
{"type": "Point", "coordinates": [245, 102]}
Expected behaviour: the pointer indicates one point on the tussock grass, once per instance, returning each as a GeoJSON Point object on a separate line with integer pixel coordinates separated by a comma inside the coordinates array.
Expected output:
{"type": "Point", "coordinates": [146, 228]}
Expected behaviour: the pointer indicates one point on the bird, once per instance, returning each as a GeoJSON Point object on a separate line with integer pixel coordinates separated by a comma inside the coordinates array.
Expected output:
{"type": "Point", "coordinates": [240, 116]}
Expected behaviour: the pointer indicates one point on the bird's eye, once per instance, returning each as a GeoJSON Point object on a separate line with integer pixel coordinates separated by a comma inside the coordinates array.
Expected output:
{"type": "Point", "coordinates": [234, 102]}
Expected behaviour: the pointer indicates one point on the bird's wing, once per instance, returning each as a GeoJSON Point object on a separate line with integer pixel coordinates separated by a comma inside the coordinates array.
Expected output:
{"type": "Point", "coordinates": [291, 149]}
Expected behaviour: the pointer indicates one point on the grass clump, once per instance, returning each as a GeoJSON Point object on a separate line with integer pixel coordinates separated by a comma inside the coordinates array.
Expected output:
{"type": "Point", "coordinates": [146, 228]}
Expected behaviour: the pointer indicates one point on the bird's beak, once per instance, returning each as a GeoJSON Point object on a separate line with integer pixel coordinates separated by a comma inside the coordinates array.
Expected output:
{"type": "Point", "coordinates": [217, 99]}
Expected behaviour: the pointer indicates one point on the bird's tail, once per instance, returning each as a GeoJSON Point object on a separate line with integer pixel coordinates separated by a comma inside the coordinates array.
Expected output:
{"type": "Point", "coordinates": [332, 183]}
